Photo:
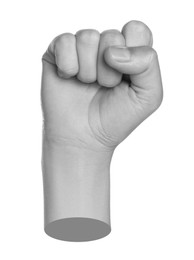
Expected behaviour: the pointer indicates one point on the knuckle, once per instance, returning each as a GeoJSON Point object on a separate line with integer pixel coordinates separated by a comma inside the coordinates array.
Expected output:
{"type": "Point", "coordinates": [64, 39]}
{"type": "Point", "coordinates": [88, 35]}
{"type": "Point", "coordinates": [113, 37]}
{"type": "Point", "coordinates": [110, 33]}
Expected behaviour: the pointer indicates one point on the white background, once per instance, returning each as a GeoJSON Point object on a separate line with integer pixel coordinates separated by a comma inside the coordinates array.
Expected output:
{"type": "Point", "coordinates": [152, 172]}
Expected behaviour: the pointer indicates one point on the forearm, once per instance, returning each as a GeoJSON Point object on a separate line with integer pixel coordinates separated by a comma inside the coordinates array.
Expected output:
{"type": "Point", "coordinates": [76, 185]}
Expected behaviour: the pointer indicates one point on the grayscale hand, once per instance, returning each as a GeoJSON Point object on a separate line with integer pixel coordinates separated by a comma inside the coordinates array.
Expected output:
{"type": "Point", "coordinates": [96, 89]}
{"type": "Point", "coordinates": [85, 101]}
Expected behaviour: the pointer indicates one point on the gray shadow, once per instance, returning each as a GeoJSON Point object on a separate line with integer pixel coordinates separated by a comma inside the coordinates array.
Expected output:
{"type": "Point", "coordinates": [77, 229]}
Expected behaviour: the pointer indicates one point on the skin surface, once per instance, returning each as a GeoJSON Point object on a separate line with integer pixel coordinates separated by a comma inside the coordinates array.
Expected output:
{"type": "Point", "coordinates": [96, 89]}
{"type": "Point", "coordinates": [99, 114]}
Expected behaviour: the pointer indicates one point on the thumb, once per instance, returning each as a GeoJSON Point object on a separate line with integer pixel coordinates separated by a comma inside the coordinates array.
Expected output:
{"type": "Point", "coordinates": [141, 64]}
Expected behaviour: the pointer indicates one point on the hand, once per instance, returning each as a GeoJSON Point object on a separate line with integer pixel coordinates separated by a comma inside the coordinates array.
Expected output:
{"type": "Point", "coordinates": [95, 90]}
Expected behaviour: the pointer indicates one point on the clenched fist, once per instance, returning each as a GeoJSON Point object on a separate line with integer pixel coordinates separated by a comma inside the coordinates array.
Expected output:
{"type": "Point", "coordinates": [96, 89]}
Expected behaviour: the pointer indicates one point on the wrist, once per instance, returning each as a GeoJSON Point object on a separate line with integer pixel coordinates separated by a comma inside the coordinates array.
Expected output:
{"type": "Point", "coordinates": [76, 191]}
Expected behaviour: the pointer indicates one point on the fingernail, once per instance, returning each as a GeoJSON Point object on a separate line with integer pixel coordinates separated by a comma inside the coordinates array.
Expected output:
{"type": "Point", "coordinates": [120, 53]}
